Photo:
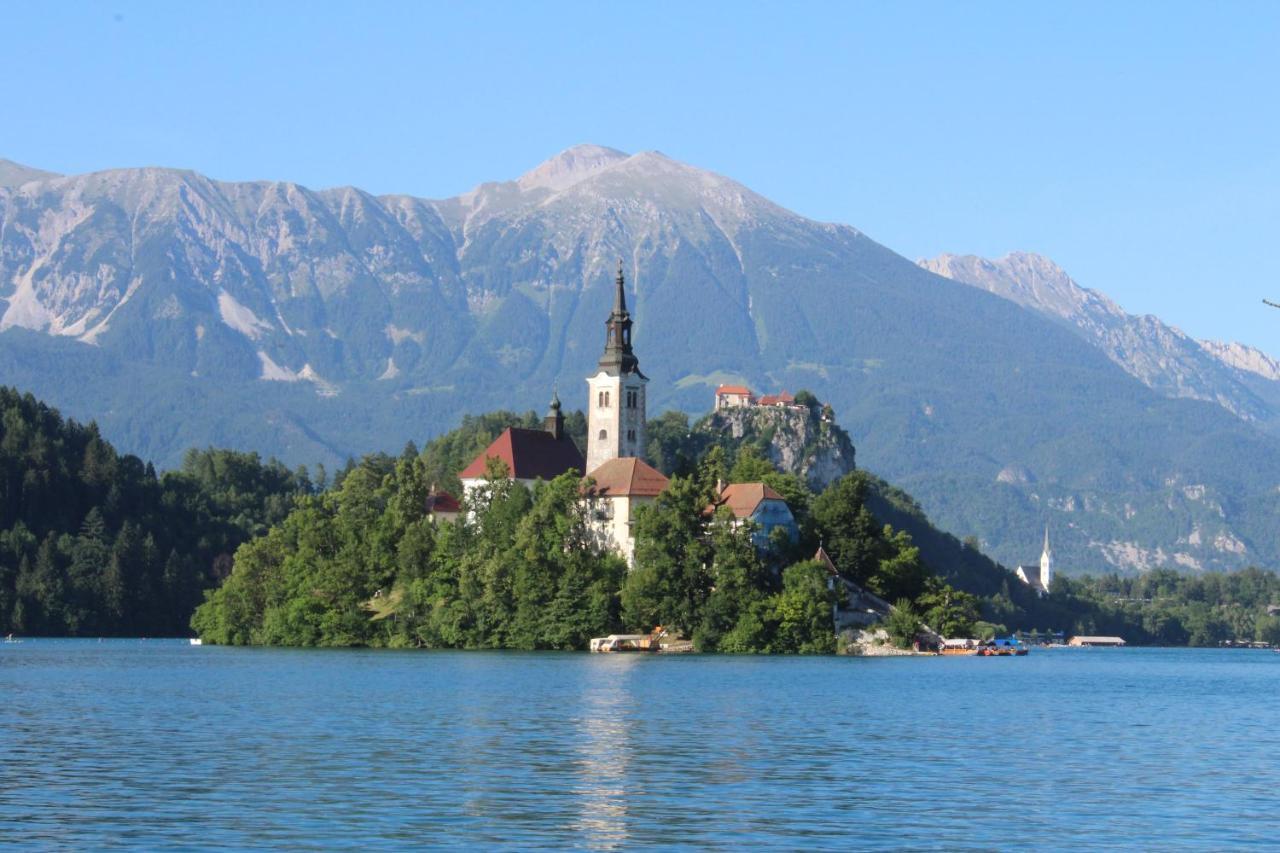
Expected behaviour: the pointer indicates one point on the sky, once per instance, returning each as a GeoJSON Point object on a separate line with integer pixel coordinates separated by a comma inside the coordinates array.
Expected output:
{"type": "Point", "coordinates": [1137, 144]}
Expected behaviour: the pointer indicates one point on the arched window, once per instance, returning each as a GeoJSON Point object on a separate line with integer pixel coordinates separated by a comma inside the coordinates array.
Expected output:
{"type": "Point", "coordinates": [604, 434]}
{"type": "Point", "coordinates": [606, 399]}
{"type": "Point", "coordinates": [600, 399]}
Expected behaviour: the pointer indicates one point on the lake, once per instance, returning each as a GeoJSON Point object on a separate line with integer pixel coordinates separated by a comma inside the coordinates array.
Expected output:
{"type": "Point", "coordinates": [150, 744]}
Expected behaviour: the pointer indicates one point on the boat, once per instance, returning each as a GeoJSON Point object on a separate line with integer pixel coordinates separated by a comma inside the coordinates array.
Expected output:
{"type": "Point", "coordinates": [958, 648]}
{"type": "Point", "coordinates": [1002, 648]}
{"type": "Point", "coordinates": [9, 638]}
{"type": "Point", "coordinates": [651, 642]}
{"type": "Point", "coordinates": [623, 643]}
{"type": "Point", "coordinates": [196, 641]}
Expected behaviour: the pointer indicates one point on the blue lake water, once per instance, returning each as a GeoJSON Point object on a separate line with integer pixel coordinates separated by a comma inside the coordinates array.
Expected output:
{"type": "Point", "coordinates": [151, 744]}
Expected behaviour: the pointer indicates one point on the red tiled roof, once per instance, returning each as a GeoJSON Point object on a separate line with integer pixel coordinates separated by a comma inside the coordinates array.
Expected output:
{"type": "Point", "coordinates": [743, 498]}
{"type": "Point", "coordinates": [733, 389]}
{"type": "Point", "coordinates": [530, 454]}
{"type": "Point", "coordinates": [442, 502]}
{"type": "Point", "coordinates": [627, 477]}
{"type": "Point", "coordinates": [774, 399]}
{"type": "Point", "coordinates": [825, 559]}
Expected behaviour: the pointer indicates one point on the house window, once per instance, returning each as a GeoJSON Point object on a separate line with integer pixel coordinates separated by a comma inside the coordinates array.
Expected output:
{"type": "Point", "coordinates": [633, 398]}
{"type": "Point", "coordinates": [631, 435]}
{"type": "Point", "coordinates": [604, 434]}
{"type": "Point", "coordinates": [606, 399]}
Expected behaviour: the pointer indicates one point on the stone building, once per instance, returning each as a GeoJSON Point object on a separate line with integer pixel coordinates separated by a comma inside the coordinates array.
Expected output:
{"type": "Point", "coordinates": [615, 491]}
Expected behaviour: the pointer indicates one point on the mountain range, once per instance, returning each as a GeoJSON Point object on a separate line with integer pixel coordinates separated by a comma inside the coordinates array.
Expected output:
{"type": "Point", "coordinates": [1242, 379]}
{"type": "Point", "coordinates": [315, 324]}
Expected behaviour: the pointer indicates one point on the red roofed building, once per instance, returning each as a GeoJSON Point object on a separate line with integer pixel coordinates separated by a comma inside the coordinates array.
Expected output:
{"type": "Point", "coordinates": [761, 504]}
{"type": "Point", "coordinates": [734, 397]}
{"type": "Point", "coordinates": [529, 454]}
{"type": "Point", "coordinates": [784, 399]}
{"type": "Point", "coordinates": [442, 506]}
{"type": "Point", "coordinates": [614, 492]}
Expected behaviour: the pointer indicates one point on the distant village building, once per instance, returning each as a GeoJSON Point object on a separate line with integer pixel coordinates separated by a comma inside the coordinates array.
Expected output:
{"type": "Point", "coordinates": [761, 505]}
{"type": "Point", "coordinates": [1039, 578]}
{"type": "Point", "coordinates": [615, 491]}
{"type": "Point", "coordinates": [741, 397]}
{"type": "Point", "coordinates": [734, 397]}
{"type": "Point", "coordinates": [783, 400]}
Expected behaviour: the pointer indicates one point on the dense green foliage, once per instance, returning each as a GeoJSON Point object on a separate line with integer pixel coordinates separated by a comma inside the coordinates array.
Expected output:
{"type": "Point", "coordinates": [522, 569]}
{"type": "Point", "coordinates": [1171, 609]}
{"type": "Point", "coordinates": [95, 543]}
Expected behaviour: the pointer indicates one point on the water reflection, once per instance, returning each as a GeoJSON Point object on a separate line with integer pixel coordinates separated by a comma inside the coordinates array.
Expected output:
{"type": "Point", "coordinates": [173, 747]}
{"type": "Point", "coordinates": [608, 714]}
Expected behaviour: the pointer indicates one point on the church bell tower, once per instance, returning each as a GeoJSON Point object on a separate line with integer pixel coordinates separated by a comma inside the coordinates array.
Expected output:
{"type": "Point", "coordinates": [1046, 562]}
{"type": "Point", "coordinates": [615, 396]}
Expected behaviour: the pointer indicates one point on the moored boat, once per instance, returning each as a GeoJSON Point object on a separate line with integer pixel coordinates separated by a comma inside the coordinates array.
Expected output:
{"type": "Point", "coordinates": [958, 647]}
{"type": "Point", "coordinates": [1002, 648]}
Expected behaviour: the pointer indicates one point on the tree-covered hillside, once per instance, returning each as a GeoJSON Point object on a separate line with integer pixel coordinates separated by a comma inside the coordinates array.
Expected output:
{"type": "Point", "coordinates": [93, 542]}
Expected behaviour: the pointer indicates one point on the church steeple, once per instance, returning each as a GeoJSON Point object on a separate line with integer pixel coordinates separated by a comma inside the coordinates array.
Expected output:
{"type": "Point", "coordinates": [615, 401]}
{"type": "Point", "coordinates": [618, 357]}
{"type": "Point", "coordinates": [1046, 562]}
{"type": "Point", "coordinates": [554, 420]}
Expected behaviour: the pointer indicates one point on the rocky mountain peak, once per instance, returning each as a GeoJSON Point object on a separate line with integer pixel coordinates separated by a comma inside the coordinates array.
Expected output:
{"type": "Point", "coordinates": [1030, 280]}
{"type": "Point", "coordinates": [1245, 358]}
{"type": "Point", "coordinates": [1161, 356]}
{"type": "Point", "coordinates": [569, 167]}
{"type": "Point", "coordinates": [15, 174]}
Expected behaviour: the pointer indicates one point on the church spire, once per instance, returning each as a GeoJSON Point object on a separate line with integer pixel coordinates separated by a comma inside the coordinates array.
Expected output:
{"type": "Point", "coordinates": [618, 357]}
{"type": "Point", "coordinates": [620, 294]}
{"type": "Point", "coordinates": [554, 420]}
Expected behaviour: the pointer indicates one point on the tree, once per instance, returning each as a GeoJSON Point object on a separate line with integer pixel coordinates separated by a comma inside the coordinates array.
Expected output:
{"type": "Point", "coordinates": [805, 623]}
{"type": "Point", "coordinates": [902, 624]}
{"type": "Point", "coordinates": [673, 579]}
{"type": "Point", "coordinates": [948, 611]}
{"type": "Point", "coordinates": [850, 534]}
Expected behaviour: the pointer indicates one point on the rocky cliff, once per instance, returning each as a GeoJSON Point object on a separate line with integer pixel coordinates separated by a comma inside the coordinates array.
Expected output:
{"type": "Point", "coordinates": [796, 439]}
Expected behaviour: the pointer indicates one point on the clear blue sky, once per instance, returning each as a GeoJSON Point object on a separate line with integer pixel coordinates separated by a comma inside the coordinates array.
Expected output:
{"type": "Point", "coordinates": [1137, 144]}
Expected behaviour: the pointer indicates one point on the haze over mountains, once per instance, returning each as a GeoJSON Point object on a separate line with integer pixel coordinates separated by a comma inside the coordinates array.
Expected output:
{"type": "Point", "coordinates": [177, 311]}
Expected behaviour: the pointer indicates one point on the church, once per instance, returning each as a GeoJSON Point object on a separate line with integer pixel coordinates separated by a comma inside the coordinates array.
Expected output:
{"type": "Point", "coordinates": [623, 481]}
{"type": "Point", "coordinates": [1039, 578]}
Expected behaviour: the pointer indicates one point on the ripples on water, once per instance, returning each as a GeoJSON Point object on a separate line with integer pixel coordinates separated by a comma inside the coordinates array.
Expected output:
{"type": "Point", "coordinates": [151, 744]}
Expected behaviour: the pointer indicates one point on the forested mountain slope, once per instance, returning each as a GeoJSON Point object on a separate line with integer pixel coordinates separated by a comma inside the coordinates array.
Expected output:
{"type": "Point", "coordinates": [317, 324]}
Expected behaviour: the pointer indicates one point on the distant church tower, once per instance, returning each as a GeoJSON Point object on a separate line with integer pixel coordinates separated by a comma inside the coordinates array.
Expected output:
{"type": "Point", "coordinates": [615, 401]}
{"type": "Point", "coordinates": [1046, 562]}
